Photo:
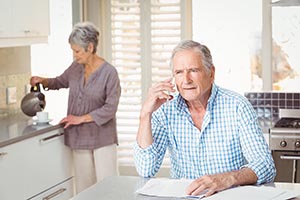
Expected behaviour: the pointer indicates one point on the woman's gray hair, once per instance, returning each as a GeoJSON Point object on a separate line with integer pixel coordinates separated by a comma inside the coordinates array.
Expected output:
{"type": "Point", "coordinates": [83, 34]}
{"type": "Point", "coordinates": [203, 51]}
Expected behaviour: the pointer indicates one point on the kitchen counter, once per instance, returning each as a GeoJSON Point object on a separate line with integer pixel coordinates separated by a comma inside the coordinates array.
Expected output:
{"type": "Point", "coordinates": [18, 127]}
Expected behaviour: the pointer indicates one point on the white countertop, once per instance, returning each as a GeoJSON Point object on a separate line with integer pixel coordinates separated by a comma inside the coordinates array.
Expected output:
{"type": "Point", "coordinates": [124, 187]}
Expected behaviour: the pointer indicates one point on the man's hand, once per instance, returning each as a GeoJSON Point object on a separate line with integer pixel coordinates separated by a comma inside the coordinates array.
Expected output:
{"type": "Point", "coordinates": [157, 95]}
{"type": "Point", "coordinates": [210, 184]}
{"type": "Point", "coordinates": [218, 182]}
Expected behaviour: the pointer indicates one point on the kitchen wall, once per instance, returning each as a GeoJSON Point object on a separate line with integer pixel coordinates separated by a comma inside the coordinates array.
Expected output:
{"type": "Point", "coordinates": [268, 104]}
{"type": "Point", "coordinates": [14, 72]}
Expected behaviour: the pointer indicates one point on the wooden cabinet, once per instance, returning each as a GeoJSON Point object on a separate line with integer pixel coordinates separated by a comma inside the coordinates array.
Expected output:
{"type": "Point", "coordinates": [24, 22]}
{"type": "Point", "coordinates": [34, 166]}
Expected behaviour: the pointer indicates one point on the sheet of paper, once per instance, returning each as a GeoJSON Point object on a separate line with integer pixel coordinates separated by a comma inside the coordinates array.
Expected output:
{"type": "Point", "coordinates": [254, 192]}
{"type": "Point", "coordinates": [164, 187]}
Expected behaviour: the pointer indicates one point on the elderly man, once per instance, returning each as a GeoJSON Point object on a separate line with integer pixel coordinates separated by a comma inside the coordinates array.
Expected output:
{"type": "Point", "coordinates": [212, 133]}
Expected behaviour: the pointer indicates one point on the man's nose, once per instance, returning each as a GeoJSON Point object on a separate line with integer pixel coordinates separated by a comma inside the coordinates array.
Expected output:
{"type": "Point", "coordinates": [186, 77]}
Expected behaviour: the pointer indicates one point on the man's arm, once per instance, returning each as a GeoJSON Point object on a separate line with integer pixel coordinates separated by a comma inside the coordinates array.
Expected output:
{"type": "Point", "coordinates": [144, 135]}
{"type": "Point", "coordinates": [156, 97]}
{"type": "Point", "coordinates": [219, 182]}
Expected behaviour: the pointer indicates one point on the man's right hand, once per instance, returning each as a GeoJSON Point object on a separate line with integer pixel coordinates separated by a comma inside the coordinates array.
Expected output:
{"type": "Point", "coordinates": [158, 94]}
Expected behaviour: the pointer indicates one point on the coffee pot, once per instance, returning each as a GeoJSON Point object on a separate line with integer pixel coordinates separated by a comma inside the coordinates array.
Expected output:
{"type": "Point", "coordinates": [34, 101]}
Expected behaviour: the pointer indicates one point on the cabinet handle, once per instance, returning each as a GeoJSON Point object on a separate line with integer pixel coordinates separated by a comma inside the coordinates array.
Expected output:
{"type": "Point", "coordinates": [290, 157]}
{"type": "Point", "coordinates": [51, 137]}
{"type": "Point", "coordinates": [3, 153]}
{"type": "Point", "coordinates": [54, 194]}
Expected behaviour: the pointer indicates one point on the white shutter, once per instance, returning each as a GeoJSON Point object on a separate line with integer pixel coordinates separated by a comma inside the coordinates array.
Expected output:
{"type": "Point", "coordinates": [143, 34]}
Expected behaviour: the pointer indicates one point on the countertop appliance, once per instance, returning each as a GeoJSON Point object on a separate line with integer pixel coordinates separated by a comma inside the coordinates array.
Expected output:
{"type": "Point", "coordinates": [33, 101]}
{"type": "Point", "coordinates": [285, 145]}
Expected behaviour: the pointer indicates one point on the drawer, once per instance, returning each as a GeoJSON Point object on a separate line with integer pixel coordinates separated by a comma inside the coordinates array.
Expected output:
{"type": "Point", "coordinates": [48, 163]}
{"type": "Point", "coordinates": [61, 191]}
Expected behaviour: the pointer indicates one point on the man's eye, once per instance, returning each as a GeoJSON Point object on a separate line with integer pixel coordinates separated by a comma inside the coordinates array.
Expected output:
{"type": "Point", "coordinates": [195, 70]}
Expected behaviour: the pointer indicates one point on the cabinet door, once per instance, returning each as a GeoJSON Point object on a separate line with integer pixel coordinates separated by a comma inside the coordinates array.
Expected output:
{"type": "Point", "coordinates": [12, 173]}
{"type": "Point", "coordinates": [34, 165]}
{"type": "Point", "coordinates": [30, 18]}
{"type": "Point", "coordinates": [62, 191]}
{"type": "Point", "coordinates": [49, 163]}
{"type": "Point", "coordinates": [5, 17]}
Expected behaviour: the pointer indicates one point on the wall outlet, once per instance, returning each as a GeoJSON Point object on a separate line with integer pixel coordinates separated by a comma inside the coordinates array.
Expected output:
{"type": "Point", "coordinates": [11, 95]}
{"type": "Point", "coordinates": [27, 88]}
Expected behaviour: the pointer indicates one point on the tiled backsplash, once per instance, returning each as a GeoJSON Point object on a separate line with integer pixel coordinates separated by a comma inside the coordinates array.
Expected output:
{"type": "Point", "coordinates": [267, 105]}
{"type": "Point", "coordinates": [15, 70]}
{"type": "Point", "coordinates": [17, 80]}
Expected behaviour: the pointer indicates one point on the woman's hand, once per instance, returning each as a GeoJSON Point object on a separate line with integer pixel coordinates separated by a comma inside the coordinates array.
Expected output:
{"type": "Point", "coordinates": [35, 80]}
{"type": "Point", "coordinates": [75, 120]}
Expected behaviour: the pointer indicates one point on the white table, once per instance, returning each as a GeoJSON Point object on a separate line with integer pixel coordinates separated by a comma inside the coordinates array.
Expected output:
{"type": "Point", "coordinates": [124, 187]}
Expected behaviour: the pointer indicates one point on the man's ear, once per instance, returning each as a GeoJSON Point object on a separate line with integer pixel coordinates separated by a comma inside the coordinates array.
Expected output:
{"type": "Point", "coordinates": [212, 73]}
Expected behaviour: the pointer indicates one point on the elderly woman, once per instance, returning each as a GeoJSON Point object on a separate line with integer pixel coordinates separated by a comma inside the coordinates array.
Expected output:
{"type": "Point", "coordinates": [94, 92]}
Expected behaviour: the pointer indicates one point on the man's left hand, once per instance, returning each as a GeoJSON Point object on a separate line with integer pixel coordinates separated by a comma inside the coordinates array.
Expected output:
{"type": "Point", "coordinates": [210, 184]}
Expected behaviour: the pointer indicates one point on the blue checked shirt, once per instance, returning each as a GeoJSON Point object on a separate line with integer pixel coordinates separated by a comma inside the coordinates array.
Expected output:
{"type": "Point", "coordinates": [230, 139]}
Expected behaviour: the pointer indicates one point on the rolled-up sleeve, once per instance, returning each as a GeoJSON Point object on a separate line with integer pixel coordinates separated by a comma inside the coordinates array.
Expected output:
{"type": "Point", "coordinates": [145, 160]}
{"type": "Point", "coordinates": [255, 148]}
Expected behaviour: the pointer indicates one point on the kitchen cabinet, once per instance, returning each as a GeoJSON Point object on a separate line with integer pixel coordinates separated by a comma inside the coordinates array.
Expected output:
{"type": "Point", "coordinates": [5, 15]}
{"type": "Point", "coordinates": [62, 191]}
{"type": "Point", "coordinates": [24, 22]}
{"type": "Point", "coordinates": [38, 166]}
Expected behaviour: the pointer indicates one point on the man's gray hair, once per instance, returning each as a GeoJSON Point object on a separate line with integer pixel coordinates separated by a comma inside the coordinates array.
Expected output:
{"type": "Point", "coordinates": [203, 51]}
{"type": "Point", "coordinates": [83, 34]}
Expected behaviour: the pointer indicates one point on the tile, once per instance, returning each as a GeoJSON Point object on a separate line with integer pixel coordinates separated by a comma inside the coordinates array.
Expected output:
{"type": "Point", "coordinates": [282, 95]}
{"type": "Point", "coordinates": [275, 95]}
{"type": "Point", "coordinates": [289, 96]}
{"type": "Point", "coordinates": [260, 95]}
{"type": "Point", "coordinates": [267, 95]}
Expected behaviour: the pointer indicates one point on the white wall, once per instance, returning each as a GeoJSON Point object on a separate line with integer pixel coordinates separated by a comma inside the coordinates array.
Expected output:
{"type": "Point", "coordinates": [50, 60]}
{"type": "Point", "coordinates": [229, 29]}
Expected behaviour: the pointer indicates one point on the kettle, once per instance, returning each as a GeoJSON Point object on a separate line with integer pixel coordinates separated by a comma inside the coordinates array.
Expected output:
{"type": "Point", "coordinates": [34, 101]}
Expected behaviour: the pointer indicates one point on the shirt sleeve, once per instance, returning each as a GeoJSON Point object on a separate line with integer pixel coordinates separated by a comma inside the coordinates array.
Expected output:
{"type": "Point", "coordinates": [61, 81]}
{"type": "Point", "coordinates": [254, 146]}
{"type": "Point", "coordinates": [145, 160]}
{"type": "Point", "coordinates": [113, 91]}
{"type": "Point", "coordinates": [149, 160]}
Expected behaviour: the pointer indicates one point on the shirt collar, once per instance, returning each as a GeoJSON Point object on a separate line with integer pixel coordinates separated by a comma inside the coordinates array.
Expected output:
{"type": "Point", "coordinates": [213, 95]}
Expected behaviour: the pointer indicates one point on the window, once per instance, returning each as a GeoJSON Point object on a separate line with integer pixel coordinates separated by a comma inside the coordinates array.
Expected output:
{"type": "Point", "coordinates": [253, 39]}
{"type": "Point", "coordinates": [143, 34]}
{"type": "Point", "coordinates": [232, 31]}
{"type": "Point", "coordinates": [286, 45]}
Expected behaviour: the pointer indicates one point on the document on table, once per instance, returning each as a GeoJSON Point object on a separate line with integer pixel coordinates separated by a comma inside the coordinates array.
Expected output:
{"type": "Point", "coordinates": [251, 192]}
{"type": "Point", "coordinates": [164, 187]}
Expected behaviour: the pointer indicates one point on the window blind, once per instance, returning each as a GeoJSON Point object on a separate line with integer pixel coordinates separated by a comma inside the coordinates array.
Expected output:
{"type": "Point", "coordinates": [143, 34]}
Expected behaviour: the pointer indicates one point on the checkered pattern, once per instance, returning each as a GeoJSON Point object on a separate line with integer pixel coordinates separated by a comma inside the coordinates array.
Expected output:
{"type": "Point", "coordinates": [230, 139]}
